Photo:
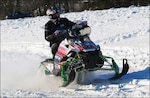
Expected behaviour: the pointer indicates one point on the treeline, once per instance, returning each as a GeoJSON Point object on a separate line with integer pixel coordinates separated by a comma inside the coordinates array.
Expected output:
{"type": "Point", "coordinates": [38, 7]}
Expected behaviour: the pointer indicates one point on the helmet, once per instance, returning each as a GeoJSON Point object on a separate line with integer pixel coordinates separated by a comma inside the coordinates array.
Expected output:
{"type": "Point", "coordinates": [53, 14]}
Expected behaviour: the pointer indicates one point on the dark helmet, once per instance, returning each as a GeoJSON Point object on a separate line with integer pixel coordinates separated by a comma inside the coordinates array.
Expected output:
{"type": "Point", "coordinates": [52, 13]}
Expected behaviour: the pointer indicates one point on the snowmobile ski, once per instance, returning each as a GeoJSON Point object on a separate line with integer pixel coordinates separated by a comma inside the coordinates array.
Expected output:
{"type": "Point", "coordinates": [124, 70]}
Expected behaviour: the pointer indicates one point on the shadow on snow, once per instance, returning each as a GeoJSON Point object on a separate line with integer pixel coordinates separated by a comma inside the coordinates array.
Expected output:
{"type": "Point", "coordinates": [129, 77]}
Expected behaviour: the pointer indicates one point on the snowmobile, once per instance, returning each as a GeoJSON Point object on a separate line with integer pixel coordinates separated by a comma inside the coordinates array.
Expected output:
{"type": "Point", "coordinates": [81, 55]}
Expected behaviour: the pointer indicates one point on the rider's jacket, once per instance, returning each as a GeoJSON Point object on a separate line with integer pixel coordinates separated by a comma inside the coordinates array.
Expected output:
{"type": "Point", "coordinates": [54, 25]}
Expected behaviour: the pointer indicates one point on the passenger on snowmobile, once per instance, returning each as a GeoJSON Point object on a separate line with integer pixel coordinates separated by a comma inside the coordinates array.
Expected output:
{"type": "Point", "coordinates": [56, 29]}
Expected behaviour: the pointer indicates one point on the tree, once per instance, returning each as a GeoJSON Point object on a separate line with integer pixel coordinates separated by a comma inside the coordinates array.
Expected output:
{"type": "Point", "coordinates": [38, 7]}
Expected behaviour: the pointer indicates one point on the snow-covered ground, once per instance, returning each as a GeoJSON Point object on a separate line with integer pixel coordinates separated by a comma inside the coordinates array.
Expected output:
{"type": "Point", "coordinates": [121, 33]}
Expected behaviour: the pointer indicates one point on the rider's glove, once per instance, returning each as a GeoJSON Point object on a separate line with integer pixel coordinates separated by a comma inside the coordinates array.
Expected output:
{"type": "Point", "coordinates": [57, 32]}
{"type": "Point", "coordinates": [74, 27]}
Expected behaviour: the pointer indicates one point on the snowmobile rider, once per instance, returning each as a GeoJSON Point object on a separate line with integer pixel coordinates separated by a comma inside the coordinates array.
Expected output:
{"type": "Point", "coordinates": [56, 29]}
